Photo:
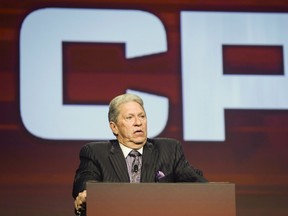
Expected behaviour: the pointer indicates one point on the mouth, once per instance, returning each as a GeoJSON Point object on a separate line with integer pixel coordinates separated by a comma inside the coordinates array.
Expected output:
{"type": "Point", "coordinates": [139, 132]}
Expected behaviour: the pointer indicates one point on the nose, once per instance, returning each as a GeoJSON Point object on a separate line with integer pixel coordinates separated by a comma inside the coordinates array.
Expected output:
{"type": "Point", "coordinates": [137, 121]}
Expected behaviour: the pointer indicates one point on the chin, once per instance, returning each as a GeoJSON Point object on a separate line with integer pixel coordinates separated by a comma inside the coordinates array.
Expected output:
{"type": "Point", "coordinates": [140, 141]}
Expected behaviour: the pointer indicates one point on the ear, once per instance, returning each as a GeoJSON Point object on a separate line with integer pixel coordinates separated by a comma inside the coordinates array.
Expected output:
{"type": "Point", "coordinates": [114, 128]}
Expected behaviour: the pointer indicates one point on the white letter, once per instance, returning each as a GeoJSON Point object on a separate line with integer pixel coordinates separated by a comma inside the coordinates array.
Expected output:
{"type": "Point", "coordinates": [206, 91]}
{"type": "Point", "coordinates": [41, 98]}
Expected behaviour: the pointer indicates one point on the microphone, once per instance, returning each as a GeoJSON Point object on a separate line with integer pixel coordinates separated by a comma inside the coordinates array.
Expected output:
{"type": "Point", "coordinates": [135, 168]}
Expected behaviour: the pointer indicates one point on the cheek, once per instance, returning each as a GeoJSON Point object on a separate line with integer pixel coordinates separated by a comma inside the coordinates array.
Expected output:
{"type": "Point", "coordinates": [128, 130]}
{"type": "Point", "coordinates": [125, 129]}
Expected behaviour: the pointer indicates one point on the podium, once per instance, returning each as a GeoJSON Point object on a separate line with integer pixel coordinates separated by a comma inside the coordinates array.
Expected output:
{"type": "Point", "coordinates": [161, 199]}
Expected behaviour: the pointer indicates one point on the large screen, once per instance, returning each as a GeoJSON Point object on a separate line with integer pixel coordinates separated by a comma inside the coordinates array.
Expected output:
{"type": "Point", "coordinates": [212, 74]}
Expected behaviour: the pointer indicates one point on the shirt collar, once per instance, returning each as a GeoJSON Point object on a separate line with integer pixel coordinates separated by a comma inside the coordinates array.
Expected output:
{"type": "Point", "coordinates": [127, 150]}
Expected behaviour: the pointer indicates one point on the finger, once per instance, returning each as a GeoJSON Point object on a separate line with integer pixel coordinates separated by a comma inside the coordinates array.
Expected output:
{"type": "Point", "coordinates": [80, 200]}
{"type": "Point", "coordinates": [82, 196]}
{"type": "Point", "coordinates": [76, 204]}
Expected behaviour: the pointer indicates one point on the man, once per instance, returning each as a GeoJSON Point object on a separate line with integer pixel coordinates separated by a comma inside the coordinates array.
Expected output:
{"type": "Point", "coordinates": [159, 159]}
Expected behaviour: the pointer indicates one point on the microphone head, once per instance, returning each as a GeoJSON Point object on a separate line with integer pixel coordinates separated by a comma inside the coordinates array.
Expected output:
{"type": "Point", "coordinates": [135, 168]}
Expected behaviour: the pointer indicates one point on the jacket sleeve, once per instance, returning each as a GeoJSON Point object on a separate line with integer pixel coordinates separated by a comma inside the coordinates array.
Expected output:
{"type": "Point", "coordinates": [88, 170]}
{"type": "Point", "coordinates": [183, 171]}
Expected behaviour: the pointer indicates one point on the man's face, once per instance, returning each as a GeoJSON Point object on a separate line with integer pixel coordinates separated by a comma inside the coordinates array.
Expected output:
{"type": "Point", "coordinates": [131, 125]}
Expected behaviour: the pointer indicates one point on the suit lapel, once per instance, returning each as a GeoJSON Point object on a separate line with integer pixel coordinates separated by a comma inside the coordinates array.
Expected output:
{"type": "Point", "coordinates": [149, 162]}
{"type": "Point", "coordinates": [118, 162]}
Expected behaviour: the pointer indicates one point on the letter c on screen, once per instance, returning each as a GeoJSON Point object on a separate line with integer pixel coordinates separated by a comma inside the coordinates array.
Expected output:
{"type": "Point", "coordinates": [41, 100]}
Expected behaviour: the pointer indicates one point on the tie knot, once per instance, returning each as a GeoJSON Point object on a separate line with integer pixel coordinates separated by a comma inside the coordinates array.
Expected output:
{"type": "Point", "coordinates": [134, 153]}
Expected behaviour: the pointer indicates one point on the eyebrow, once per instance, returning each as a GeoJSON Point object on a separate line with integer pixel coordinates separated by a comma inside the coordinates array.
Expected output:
{"type": "Point", "coordinates": [141, 113]}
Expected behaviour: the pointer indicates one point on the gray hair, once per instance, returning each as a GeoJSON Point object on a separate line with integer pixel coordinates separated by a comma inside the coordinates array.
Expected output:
{"type": "Point", "coordinates": [121, 99]}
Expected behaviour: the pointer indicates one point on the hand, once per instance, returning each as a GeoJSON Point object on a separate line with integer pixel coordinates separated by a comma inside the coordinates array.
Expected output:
{"type": "Point", "coordinates": [80, 202]}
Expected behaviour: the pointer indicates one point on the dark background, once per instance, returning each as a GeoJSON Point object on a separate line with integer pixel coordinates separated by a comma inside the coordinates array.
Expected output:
{"type": "Point", "coordinates": [36, 175]}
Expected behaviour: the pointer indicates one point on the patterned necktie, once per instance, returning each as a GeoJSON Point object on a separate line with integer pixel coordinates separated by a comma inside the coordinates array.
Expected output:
{"type": "Point", "coordinates": [134, 166]}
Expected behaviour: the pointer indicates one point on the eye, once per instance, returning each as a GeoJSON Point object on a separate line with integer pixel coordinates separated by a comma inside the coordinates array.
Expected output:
{"type": "Point", "coordinates": [129, 117]}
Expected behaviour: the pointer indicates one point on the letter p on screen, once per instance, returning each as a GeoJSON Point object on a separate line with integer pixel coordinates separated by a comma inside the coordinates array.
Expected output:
{"type": "Point", "coordinates": [207, 92]}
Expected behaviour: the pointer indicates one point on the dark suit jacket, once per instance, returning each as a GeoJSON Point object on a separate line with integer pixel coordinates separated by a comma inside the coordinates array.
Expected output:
{"type": "Point", "coordinates": [105, 162]}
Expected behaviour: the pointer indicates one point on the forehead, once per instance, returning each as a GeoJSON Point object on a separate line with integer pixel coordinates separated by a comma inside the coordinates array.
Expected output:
{"type": "Point", "coordinates": [130, 107]}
